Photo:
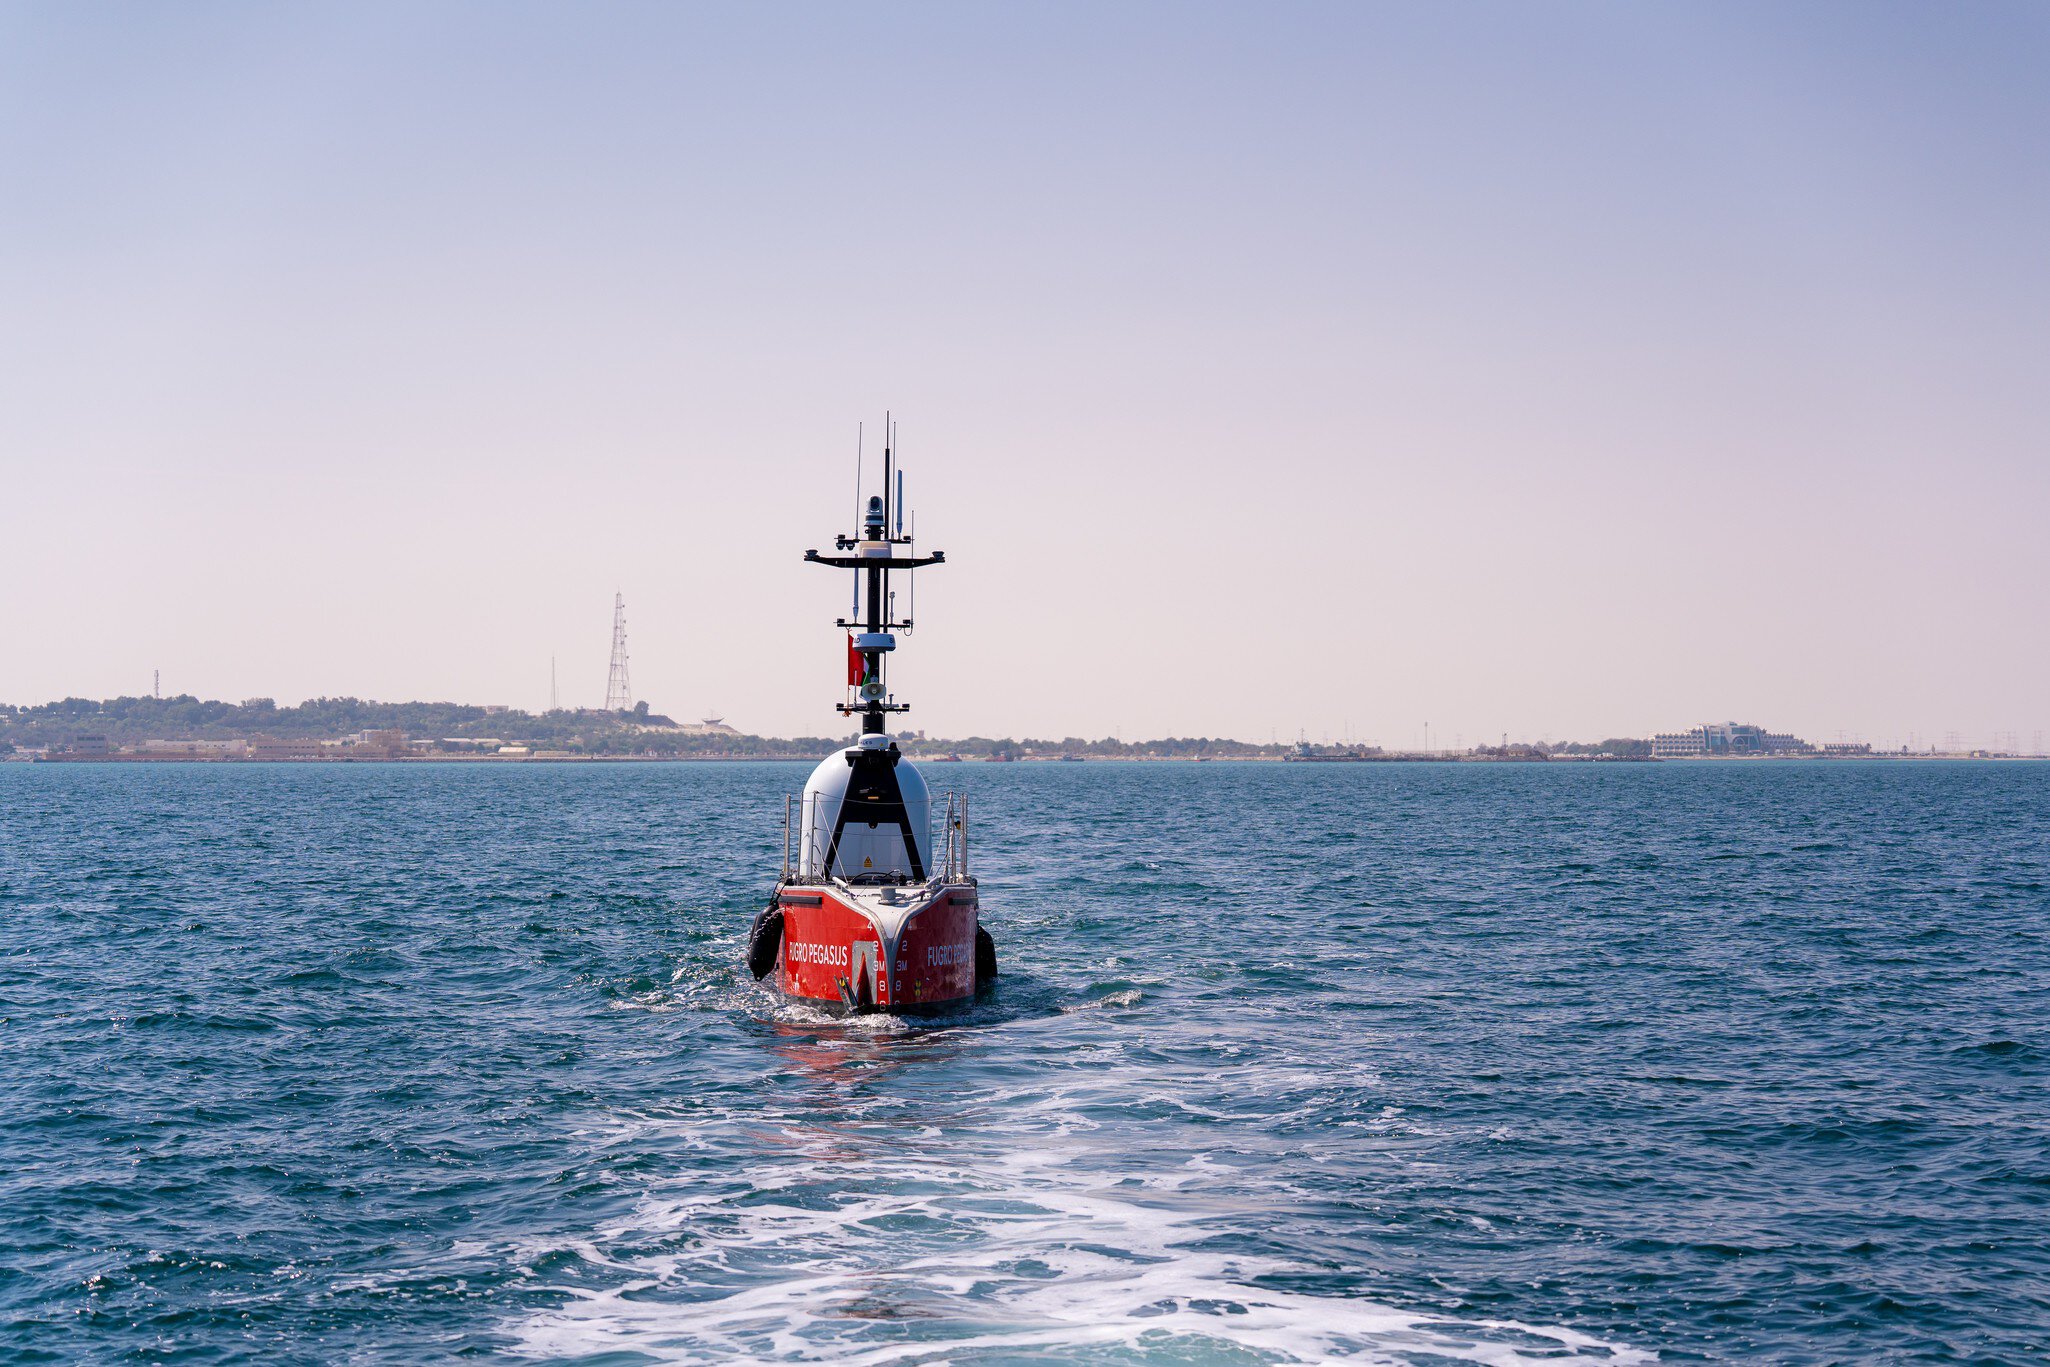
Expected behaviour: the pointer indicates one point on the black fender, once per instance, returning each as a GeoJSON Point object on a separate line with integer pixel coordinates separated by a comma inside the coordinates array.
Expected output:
{"type": "Point", "coordinates": [985, 958]}
{"type": "Point", "coordinates": [765, 941]}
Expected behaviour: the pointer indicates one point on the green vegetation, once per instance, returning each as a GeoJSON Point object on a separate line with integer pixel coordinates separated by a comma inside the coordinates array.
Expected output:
{"type": "Point", "coordinates": [1619, 746]}
{"type": "Point", "coordinates": [130, 721]}
{"type": "Point", "coordinates": [1191, 747]}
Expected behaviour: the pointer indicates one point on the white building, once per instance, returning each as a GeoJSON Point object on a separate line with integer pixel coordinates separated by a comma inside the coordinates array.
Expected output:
{"type": "Point", "coordinates": [1679, 744]}
{"type": "Point", "coordinates": [1726, 738]}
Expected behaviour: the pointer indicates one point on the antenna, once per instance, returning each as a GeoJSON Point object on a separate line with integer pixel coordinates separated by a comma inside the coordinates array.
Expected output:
{"type": "Point", "coordinates": [857, 474]}
{"type": "Point", "coordinates": [874, 556]}
{"type": "Point", "coordinates": [554, 697]}
{"type": "Point", "coordinates": [619, 693]}
{"type": "Point", "coordinates": [156, 684]}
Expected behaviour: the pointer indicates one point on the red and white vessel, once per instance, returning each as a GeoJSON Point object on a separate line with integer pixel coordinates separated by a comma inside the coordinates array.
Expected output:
{"type": "Point", "coordinates": [871, 913]}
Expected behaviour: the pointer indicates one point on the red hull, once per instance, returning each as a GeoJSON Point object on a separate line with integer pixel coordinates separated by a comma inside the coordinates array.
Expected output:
{"type": "Point", "coordinates": [833, 951]}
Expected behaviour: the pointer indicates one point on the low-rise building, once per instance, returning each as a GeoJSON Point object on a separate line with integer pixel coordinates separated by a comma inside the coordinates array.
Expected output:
{"type": "Point", "coordinates": [192, 749]}
{"type": "Point", "coordinates": [271, 747]}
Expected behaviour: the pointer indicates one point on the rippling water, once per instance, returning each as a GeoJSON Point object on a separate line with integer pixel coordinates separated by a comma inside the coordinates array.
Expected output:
{"type": "Point", "coordinates": [1289, 1063]}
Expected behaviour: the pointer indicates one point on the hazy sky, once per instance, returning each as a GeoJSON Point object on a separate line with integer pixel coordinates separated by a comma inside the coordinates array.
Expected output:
{"type": "Point", "coordinates": [1563, 369]}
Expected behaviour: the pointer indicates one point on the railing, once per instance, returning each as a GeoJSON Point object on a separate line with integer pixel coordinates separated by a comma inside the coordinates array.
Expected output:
{"type": "Point", "coordinates": [953, 861]}
{"type": "Point", "coordinates": [954, 852]}
{"type": "Point", "coordinates": [789, 800]}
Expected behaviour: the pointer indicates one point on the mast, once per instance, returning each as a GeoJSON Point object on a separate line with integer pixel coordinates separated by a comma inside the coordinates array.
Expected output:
{"type": "Point", "coordinates": [877, 547]}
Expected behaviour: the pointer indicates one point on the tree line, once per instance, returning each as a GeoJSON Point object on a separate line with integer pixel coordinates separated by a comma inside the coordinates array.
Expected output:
{"type": "Point", "coordinates": [131, 720]}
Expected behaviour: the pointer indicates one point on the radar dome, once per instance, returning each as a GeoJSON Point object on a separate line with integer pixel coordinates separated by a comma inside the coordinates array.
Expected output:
{"type": "Point", "coordinates": [867, 816]}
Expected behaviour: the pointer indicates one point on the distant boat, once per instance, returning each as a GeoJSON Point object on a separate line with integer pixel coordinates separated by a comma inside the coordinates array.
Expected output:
{"type": "Point", "coordinates": [1071, 759]}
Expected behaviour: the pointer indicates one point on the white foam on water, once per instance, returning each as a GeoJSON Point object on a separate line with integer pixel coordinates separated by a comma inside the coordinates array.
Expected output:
{"type": "Point", "coordinates": [906, 1249]}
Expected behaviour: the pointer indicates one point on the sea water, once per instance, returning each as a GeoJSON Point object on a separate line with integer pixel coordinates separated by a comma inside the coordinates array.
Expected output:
{"type": "Point", "coordinates": [1288, 1063]}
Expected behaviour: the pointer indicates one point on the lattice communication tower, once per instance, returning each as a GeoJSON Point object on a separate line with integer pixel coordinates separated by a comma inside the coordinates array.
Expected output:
{"type": "Point", "coordinates": [619, 692]}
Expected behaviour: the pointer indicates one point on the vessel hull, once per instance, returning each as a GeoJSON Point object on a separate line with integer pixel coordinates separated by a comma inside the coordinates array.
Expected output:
{"type": "Point", "coordinates": [915, 956]}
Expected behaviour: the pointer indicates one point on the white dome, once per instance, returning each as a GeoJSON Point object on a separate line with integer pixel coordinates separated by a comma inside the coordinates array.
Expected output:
{"type": "Point", "coordinates": [873, 848]}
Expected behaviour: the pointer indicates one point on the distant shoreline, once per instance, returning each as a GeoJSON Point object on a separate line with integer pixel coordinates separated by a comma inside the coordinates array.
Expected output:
{"type": "Point", "coordinates": [1568, 760]}
{"type": "Point", "coordinates": [186, 729]}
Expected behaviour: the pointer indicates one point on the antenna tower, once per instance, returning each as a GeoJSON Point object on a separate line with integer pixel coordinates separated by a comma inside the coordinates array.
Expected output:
{"type": "Point", "coordinates": [619, 693]}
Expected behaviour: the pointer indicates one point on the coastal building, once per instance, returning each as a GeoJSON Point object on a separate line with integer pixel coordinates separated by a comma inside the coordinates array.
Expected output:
{"type": "Point", "coordinates": [1728, 738]}
{"type": "Point", "coordinates": [271, 747]}
{"type": "Point", "coordinates": [192, 749]}
{"type": "Point", "coordinates": [465, 744]}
